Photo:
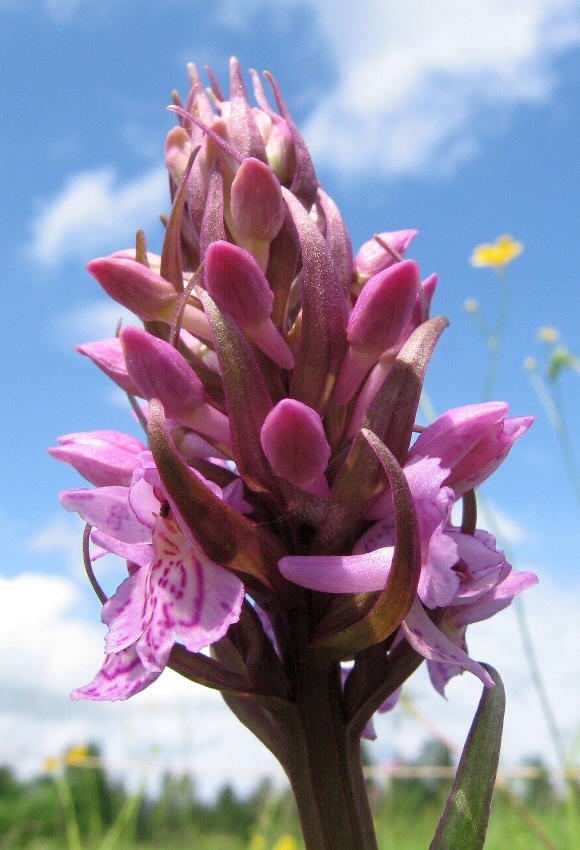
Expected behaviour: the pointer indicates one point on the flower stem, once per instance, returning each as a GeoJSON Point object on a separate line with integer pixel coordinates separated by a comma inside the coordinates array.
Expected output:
{"type": "Point", "coordinates": [326, 774]}
{"type": "Point", "coordinates": [320, 755]}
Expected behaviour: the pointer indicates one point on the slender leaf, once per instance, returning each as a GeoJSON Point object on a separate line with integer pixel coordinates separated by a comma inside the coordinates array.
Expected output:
{"type": "Point", "coordinates": [323, 340]}
{"type": "Point", "coordinates": [171, 267]}
{"type": "Point", "coordinates": [463, 825]}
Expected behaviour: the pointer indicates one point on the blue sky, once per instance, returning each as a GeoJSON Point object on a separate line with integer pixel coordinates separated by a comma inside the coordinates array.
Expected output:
{"type": "Point", "coordinates": [457, 119]}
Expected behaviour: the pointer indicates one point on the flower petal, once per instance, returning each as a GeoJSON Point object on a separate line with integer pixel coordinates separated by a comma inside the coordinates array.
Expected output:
{"type": "Point", "coordinates": [339, 573]}
{"type": "Point", "coordinates": [138, 553]}
{"type": "Point", "coordinates": [107, 508]}
{"type": "Point", "coordinates": [432, 644]}
{"type": "Point", "coordinates": [124, 612]}
{"type": "Point", "coordinates": [189, 598]}
{"type": "Point", "coordinates": [121, 676]}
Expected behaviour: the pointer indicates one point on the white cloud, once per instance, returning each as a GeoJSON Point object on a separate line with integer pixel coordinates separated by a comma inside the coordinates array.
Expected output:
{"type": "Point", "coordinates": [46, 650]}
{"type": "Point", "coordinates": [420, 84]}
{"type": "Point", "coordinates": [552, 616]}
{"type": "Point", "coordinates": [92, 321]}
{"type": "Point", "coordinates": [61, 535]}
{"type": "Point", "coordinates": [94, 212]}
{"type": "Point", "coordinates": [61, 10]}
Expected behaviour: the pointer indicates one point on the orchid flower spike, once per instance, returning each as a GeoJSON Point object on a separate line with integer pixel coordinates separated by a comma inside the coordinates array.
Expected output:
{"type": "Point", "coordinates": [284, 536]}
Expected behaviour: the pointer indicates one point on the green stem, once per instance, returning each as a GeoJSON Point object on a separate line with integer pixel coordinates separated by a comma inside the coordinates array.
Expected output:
{"type": "Point", "coordinates": [329, 784]}
{"type": "Point", "coordinates": [495, 340]}
{"type": "Point", "coordinates": [321, 757]}
{"type": "Point", "coordinates": [70, 819]}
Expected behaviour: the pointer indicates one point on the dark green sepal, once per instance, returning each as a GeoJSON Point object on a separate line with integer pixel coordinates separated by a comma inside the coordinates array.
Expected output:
{"type": "Point", "coordinates": [395, 600]}
{"type": "Point", "coordinates": [391, 418]}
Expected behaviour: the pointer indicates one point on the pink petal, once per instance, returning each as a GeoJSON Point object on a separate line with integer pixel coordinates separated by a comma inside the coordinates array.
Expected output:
{"type": "Point", "coordinates": [124, 612]}
{"type": "Point", "coordinates": [137, 553]}
{"type": "Point", "coordinates": [121, 676]}
{"type": "Point", "coordinates": [189, 598]}
{"type": "Point", "coordinates": [102, 457]}
{"type": "Point", "coordinates": [339, 573]}
{"type": "Point", "coordinates": [432, 644]}
{"type": "Point", "coordinates": [439, 584]}
{"type": "Point", "coordinates": [107, 508]}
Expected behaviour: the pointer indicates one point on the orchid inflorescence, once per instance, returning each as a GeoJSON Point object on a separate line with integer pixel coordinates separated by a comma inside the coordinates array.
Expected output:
{"type": "Point", "coordinates": [280, 508]}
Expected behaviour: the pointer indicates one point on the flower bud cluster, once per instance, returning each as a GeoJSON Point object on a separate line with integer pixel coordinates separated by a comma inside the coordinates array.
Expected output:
{"type": "Point", "coordinates": [279, 507]}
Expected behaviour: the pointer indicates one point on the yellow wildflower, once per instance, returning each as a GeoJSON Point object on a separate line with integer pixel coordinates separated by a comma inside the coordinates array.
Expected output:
{"type": "Point", "coordinates": [258, 842]}
{"type": "Point", "coordinates": [286, 842]}
{"type": "Point", "coordinates": [547, 334]}
{"type": "Point", "coordinates": [498, 255]}
{"type": "Point", "coordinates": [76, 755]}
{"type": "Point", "coordinates": [52, 764]}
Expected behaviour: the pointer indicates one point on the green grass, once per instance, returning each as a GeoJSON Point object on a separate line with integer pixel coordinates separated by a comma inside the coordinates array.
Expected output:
{"type": "Point", "coordinates": [79, 808]}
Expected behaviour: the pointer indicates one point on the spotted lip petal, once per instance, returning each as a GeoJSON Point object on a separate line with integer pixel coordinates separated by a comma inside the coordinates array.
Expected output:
{"type": "Point", "coordinates": [184, 596]}
{"type": "Point", "coordinates": [121, 676]}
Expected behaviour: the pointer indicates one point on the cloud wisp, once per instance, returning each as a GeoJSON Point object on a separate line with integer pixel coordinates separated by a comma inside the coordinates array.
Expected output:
{"type": "Point", "coordinates": [420, 85]}
{"type": "Point", "coordinates": [94, 213]}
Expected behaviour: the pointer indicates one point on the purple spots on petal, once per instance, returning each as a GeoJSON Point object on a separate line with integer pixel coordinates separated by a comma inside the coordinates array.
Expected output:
{"type": "Point", "coordinates": [118, 516]}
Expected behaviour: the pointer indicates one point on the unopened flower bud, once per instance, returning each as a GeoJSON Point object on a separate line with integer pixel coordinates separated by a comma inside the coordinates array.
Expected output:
{"type": "Point", "coordinates": [256, 202]}
{"type": "Point", "coordinates": [108, 355]}
{"type": "Point", "coordinates": [177, 152]}
{"type": "Point", "coordinates": [295, 444]}
{"type": "Point", "coordinates": [280, 151]}
{"type": "Point", "coordinates": [145, 293]}
{"type": "Point", "coordinates": [379, 316]}
{"type": "Point", "coordinates": [160, 371]}
{"type": "Point", "coordinates": [238, 284]}
{"type": "Point", "coordinates": [372, 258]}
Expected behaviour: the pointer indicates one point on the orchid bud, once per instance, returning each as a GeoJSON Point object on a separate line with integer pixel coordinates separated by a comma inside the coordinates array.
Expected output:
{"type": "Point", "coordinates": [238, 284]}
{"type": "Point", "coordinates": [105, 458]}
{"type": "Point", "coordinates": [372, 258]}
{"type": "Point", "coordinates": [472, 441]}
{"type": "Point", "coordinates": [379, 316]}
{"type": "Point", "coordinates": [160, 371]}
{"type": "Point", "coordinates": [108, 355]}
{"type": "Point", "coordinates": [178, 149]}
{"type": "Point", "coordinates": [295, 444]}
{"type": "Point", "coordinates": [256, 204]}
{"type": "Point", "coordinates": [145, 293]}
{"type": "Point", "coordinates": [280, 151]}
{"type": "Point", "coordinates": [256, 209]}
